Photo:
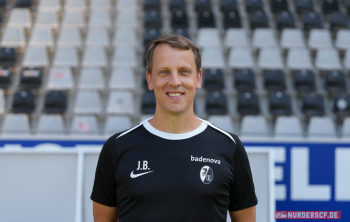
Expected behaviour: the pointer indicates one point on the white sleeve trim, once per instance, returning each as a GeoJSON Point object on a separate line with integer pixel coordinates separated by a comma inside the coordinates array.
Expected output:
{"type": "Point", "coordinates": [218, 129]}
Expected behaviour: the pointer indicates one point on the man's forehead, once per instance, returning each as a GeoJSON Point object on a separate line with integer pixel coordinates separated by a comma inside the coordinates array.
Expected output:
{"type": "Point", "coordinates": [161, 53]}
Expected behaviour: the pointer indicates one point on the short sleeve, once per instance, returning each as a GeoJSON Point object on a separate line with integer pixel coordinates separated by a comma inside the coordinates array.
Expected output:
{"type": "Point", "coordinates": [242, 191]}
{"type": "Point", "coordinates": [104, 190]}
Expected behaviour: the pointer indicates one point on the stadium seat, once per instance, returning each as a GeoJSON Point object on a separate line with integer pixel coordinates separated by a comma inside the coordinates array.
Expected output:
{"type": "Point", "coordinates": [223, 122]}
{"type": "Point", "coordinates": [66, 57]}
{"type": "Point", "coordinates": [274, 80]}
{"type": "Point", "coordinates": [87, 102]}
{"type": "Point", "coordinates": [100, 4]}
{"type": "Point", "coordinates": [213, 79]}
{"type": "Point", "coordinates": [69, 38]}
{"type": "Point", "coordinates": [216, 103]}
{"type": "Point", "coordinates": [41, 38]}
{"type": "Point", "coordinates": [122, 79]}
{"type": "Point", "coordinates": [35, 57]}
{"type": "Point", "coordinates": [73, 19]}
{"type": "Point", "coordinates": [320, 38]}
{"type": "Point", "coordinates": [304, 80]}
{"type": "Point", "coordinates": [347, 60]}
{"type": "Point", "coordinates": [99, 19]}
{"type": "Point", "coordinates": [148, 104]}
{"type": "Point", "coordinates": [270, 58]}
{"type": "Point", "coordinates": [312, 20]}
{"type": "Point", "coordinates": [313, 104]}
{"type": "Point", "coordinates": [348, 6]}
{"type": "Point", "coordinates": [241, 58]}
{"type": "Point", "coordinates": [292, 38]}
{"type": "Point", "coordinates": [126, 5]}
{"type": "Point", "coordinates": [175, 5]}
{"type": "Point", "coordinates": [153, 20]}
{"type": "Point", "coordinates": [5, 77]}
{"type": "Point", "coordinates": [303, 6]}
{"type": "Point", "coordinates": [127, 18]}
{"type": "Point", "coordinates": [327, 59]}
{"type": "Point", "coordinates": [258, 19]}
{"type": "Point", "coordinates": [182, 32]}
{"type": "Point", "coordinates": [60, 79]}
{"type": "Point", "coordinates": [346, 128]}
{"type": "Point", "coordinates": [299, 58]}
{"type": "Point", "coordinates": [236, 38]}
{"type": "Point", "coordinates": [49, 5]}
{"type": "Point", "coordinates": [17, 124]}
{"type": "Point", "coordinates": [179, 19]}
{"type": "Point", "coordinates": [229, 6]}
{"type": "Point", "coordinates": [232, 20]}
{"type": "Point", "coordinates": [279, 6]}
{"type": "Point", "coordinates": [212, 58]}
{"type": "Point", "coordinates": [341, 105]}
{"type": "Point", "coordinates": [124, 57]}
{"type": "Point", "coordinates": [120, 103]}
{"type": "Point", "coordinates": [339, 21]}
{"type": "Point", "coordinates": [50, 125]}
{"type": "Point", "coordinates": [248, 103]}
{"type": "Point", "coordinates": [343, 39]}
{"type": "Point", "coordinates": [254, 126]}
{"type": "Point", "coordinates": [8, 57]}
{"type": "Point", "coordinates": [46, 19]}
{"type": "Point", "coordinates": [335, 81]}
{"type": "Point", "coordinates": [264, 38]}
{"type": "Point", "coordinates": [94, 57]}
{"type": "Point", "coordinates": [2, 102]}
{"type": "Point", "coordinates": [288, 126]}
{"type": "Point", "coordinates": [13, 37]}
{"type": "Point", "coordinates": [280, 104]}
{"type": "Point", "coordinates": [97, 38]}
{"type": "Point", "coordinates": [23, 102]}
{"type": "Point", "coordinates": [84, 125]}
{"type": "Point", "coordinates": [125, 37]}
{"type": "Point", "coordinates": [206, 19]}
{"type": "Point", "coordinates": [75, 4]}
{"type": "Point", "coordinates": [31, 78]}
{"type": "Point", "coordinates": [330, 6]}
{"type": "Point", "coordinates": [19, 18]}
{"type": "Point", "coordinates": [244, 80]}
{"type": "Point", "coordinates": [116, 124]}
{"type": "Point", "coordinates": [285, 20]}
{"type": "Point", "coordinates": [55, 102]}
{"type": "Point", "coordinates": [321, 127]}
{"type": "Point", "coordinates": [151, 5]}
{"type": "Point", "coordinates": [149, 36]}
{"type": "Point", "coordinates": [91, 79]}
{"type": "Point", "coordinates": [208, 37]}
{"type": "Point", "coordinates": [254, 5]}
{"type": "Point", "coordinates": [202, 5]}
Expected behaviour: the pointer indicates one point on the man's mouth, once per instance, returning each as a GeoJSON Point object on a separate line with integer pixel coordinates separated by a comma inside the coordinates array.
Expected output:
{"type": "Point", "coordinates": [175, 94]}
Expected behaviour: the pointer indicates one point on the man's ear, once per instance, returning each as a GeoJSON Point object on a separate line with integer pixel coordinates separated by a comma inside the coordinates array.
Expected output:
{"type": "Point", "coordinates": [149, 80]}
{"type": "Point", "coordinates": [199, 79]}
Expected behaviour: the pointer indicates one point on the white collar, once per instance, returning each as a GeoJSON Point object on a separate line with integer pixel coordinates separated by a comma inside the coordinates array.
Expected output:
{"type": "Point", "coordinates": [173, 136]}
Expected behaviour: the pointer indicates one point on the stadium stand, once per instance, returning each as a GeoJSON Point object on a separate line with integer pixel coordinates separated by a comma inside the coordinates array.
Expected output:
{"type": "Point", "coordinates": [287, 62]}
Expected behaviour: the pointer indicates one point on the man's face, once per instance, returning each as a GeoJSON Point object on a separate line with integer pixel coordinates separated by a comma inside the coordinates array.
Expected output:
{"type": "Point", "coordinates": [174, 79]}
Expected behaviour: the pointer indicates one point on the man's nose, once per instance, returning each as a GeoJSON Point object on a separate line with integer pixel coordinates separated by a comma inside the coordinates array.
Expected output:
{"type": "Point", "coordinates": [175, 79]}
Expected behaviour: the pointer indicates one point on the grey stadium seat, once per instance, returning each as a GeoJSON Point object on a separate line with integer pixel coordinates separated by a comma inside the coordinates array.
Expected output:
{"type": "Point", "coordinates": [321, 127]}
{"type": "Point", "coordinates": [223, 122]}
{"type": "Point", "coordinates": [255, 126]}
{"type": "Point", "coordinates": [17, 124]}
{"type": "Point", "coordinates": [84, 125]}
{"type": "Point", "coordinates": [116, 124]}
{"type": "Point", "coordinates": [288, 126]}
{"type": "Point", "coordinates": [50, 125]}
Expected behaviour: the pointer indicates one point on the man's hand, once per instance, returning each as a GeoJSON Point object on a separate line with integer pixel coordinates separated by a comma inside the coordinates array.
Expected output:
{"type": "Point", "coordinates": [245, 215]}
{"type": "Point", "coordinates": [103, 213]}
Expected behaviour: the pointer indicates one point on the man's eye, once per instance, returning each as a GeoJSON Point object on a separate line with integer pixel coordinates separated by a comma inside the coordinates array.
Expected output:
{"type": "Point", "coordinates": [164, 71]}
{"type": "Point", "coordinates": [185, 71]}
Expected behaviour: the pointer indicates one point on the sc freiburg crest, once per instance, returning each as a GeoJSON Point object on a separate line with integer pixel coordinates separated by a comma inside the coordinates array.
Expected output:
{"type": "Point", "coordinates": [206, 174]}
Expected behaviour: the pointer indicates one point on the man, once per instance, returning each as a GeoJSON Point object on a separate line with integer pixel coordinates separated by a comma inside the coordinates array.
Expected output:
{"type": "Point", "coordinates": [174, 166]}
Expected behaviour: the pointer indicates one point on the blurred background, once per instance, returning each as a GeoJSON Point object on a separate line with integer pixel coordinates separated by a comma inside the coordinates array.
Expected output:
{"type": "Point", "coordinates": [275, 72]}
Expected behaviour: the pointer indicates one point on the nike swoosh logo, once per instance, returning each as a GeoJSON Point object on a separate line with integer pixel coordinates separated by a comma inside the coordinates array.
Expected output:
{"type": "Point", "coordinates": [132, 175]}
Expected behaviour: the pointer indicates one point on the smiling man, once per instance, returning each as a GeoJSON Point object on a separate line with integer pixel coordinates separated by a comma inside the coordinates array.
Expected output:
{"type": "Point", "coordinates": [174, 166]}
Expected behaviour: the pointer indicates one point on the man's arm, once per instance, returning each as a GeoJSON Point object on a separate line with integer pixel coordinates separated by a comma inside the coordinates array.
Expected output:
{"type": "Point", "coordinates": [245, 215]}
{"type": "Point", "coordinates": [104, 213]}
